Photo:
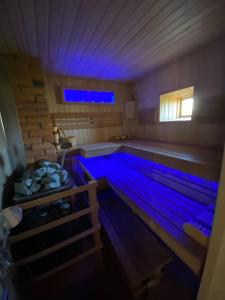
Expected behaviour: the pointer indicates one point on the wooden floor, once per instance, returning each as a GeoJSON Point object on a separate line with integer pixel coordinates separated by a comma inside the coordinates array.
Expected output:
{"type": "Point", "coordinates": [84, 281]}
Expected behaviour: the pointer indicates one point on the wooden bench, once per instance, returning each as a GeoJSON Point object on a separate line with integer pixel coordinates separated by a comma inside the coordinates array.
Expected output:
{"type": "Point", "coordinates": [140, 253]}
{"type": "Point", "coordinates": [201, 161]}
{"type": "Point", "coordinates": [165, 199]}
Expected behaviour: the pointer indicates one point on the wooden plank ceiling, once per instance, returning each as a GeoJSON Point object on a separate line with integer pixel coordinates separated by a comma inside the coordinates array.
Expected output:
{"type": "Point", "coordinates": [107, 39]}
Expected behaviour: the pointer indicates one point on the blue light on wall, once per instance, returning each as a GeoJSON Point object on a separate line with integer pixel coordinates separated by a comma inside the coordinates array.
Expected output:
{"type": "Point", "coordinates": [87, 96]}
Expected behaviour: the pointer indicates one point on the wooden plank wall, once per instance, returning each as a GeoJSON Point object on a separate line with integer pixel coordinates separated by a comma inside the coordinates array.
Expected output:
{"type": "Point", "coordinates": [89, 123]}
{"type": "Point", "coordinates": [205, 70]}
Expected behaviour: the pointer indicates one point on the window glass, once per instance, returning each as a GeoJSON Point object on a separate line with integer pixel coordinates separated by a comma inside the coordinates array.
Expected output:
{"type": "Point", "coordinates": [186, 107]}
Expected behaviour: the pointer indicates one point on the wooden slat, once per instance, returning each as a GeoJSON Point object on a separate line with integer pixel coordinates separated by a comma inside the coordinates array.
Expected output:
{"type": "Point", "coordinates": [147, 116]}
{"type": "Point", "coordinates": [179, 176]}
{"type": "Point", "coordinates": [68, 121]}
{"type": "Point", "coordinates": [113, 39]}
{"type": "Point", "coordinates": [56, 247]}
{"type": "Point", "coordinates": [64, 265]}
{"type": "Point", "coordinates": [197, 163]}
{"type": "Point", "coordinates": [147, 256]}
{"type": "Point", "coordinates": [165, 211]}
{"type": "Point", "coordinates": [87, 115]}
{"type": "Point", "coordinates": [48, 199]}
{"type": "Point", "coordinates": [194, 191]}
{"type": "Point", "coordinates": [121, 251]}
{"type": "Point", "coordinates": [50, 225]}
{"type": "Point", "coordinates": [192, 254]}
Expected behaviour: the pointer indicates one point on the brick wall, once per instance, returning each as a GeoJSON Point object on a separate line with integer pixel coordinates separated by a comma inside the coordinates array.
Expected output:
{"type": "Point", "coordinates": [29, 88]}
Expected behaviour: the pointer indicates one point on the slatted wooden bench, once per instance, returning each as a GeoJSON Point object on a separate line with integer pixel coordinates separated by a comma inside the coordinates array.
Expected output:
{"type": "Point", "coordinates": [140, 253]}
{"type": "Point", "coordinates": [165, 199]}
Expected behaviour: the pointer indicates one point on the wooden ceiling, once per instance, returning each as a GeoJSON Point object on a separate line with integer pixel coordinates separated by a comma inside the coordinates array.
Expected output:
{"type": "Point", "coordinates": [109, 39]}
{"type": "Point", "coordinates": [184, 93]}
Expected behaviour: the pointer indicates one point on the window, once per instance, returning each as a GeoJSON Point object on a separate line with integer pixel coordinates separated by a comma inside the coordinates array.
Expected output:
{"type": "Point", "coordinates": [88, 96]}
{"type": "Point", "coordinates": [186, 107]}
{"type": "Point", "coordinates": [177, 105]}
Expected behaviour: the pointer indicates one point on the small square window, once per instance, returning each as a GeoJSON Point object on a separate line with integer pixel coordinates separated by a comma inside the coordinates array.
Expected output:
{"type": "Point", "coordinates": [177, 105]}
{"type": "Point", "coordinates": [186, 107]}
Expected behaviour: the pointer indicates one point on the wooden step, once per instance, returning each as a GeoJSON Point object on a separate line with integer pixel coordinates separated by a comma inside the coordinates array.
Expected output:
{"type": "Point", "coordinates": [140, 253]}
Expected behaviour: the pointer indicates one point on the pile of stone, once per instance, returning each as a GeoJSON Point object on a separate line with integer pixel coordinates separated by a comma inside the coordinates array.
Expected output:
{"type": "Point", "coordinates": [47, 176]}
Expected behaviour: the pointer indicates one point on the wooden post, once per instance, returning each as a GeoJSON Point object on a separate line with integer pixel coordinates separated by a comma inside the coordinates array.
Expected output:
{"type": "Point", "coordinates": [212, 285]}
{"type": "Point", "coordinates": [95, 222]}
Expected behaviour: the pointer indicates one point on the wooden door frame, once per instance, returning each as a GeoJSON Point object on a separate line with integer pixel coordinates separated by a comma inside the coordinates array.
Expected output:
{"type": "Point", "coordinates": [212, 285]}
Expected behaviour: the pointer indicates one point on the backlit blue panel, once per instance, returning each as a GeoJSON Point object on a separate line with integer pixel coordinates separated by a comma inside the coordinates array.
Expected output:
{"type": "Point", "coordinates": [87, 96]}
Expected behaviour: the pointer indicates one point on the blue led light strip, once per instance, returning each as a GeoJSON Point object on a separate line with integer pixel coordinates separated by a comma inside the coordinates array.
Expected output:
{"type": "Point", "coordinates": [87, 96]}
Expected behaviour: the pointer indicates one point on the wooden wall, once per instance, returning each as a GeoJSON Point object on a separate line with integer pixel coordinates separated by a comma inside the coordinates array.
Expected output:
{"type": "Point", "coordinates": [205, 70]}
{"type": "Point", "coordinates": [89, 134]}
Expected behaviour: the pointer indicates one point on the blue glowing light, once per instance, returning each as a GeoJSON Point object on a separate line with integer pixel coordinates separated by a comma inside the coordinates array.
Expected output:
{"type": "Point", "coordinates": [144, 182]}
{"type": "Point", "coordinates": [87, 96]}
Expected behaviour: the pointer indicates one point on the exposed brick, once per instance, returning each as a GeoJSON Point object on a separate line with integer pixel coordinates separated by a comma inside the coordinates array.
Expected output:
{"type": "Point", "coordinates": [32, 90]}
{"type": "Point", "coordinates": [27, 147]}
{"type": "Point", "coordinates": [32, 105]}
{"type": "Point", "coordinates": [41, 146]}
{"type": "Point", "coordinates": [38, 133]}
{"type": "Point", "coordinates": [34, 140]}
{"type": "Point", "coordinates": [38, 157]}
{"type": "Point", "coordinates": [27, 60]}
{"type": "Point", "coordinates": [27, 113]}
{"type": "Point", "coordinates": [30, 160]}
{"type": "Point", "coordinates": [43, 113]}
{"type": "Point", "coordinates": [13, 75]}
{"type": "Point", "coordinates": [47, 138]}
{"type": "Point", "coordinates": [30, 126]}
{"type": "Point", "coordinates": [24, 133]}
{"type": "Point", "coordinates": [16, 89]}
{"type": "Point", "coordinates": [37, 120]}
{"type": "Point", "coordinates": [23, 82]}
{"type": "Point", "coordinates": [24, 98]}
{"type": "Point", "coordinates": [51, 157]}
{"type": "Point", "coordinates": [33, 153]}
{"type": "Point", "coordinates": [47, 125]}
{"type": "Point", "coordinates": [40, 98]}
{"type": "Point", "coordinates": [35, 68]}
{"type": "Point", "coordinates": [18, 67]}
{"type": "Point", "coordinates": [36, 75]}
{"type": "Point", "coordinates": [50, 151]}
{"type": "Point", "coordinates": [22, 120]}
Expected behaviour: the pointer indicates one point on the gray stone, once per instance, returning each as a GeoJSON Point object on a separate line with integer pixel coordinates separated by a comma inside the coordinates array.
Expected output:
{"type": "Point", "coordinates": [27, 174]}
{"type": "Point", "coordinates": [21, 189]}
{"type": "Point", "coordinates": [52, 185]}
{"type": "Point", "coordinates": [35, 178]}
{"type": "Point", "coordinates": [63, 174]}
{"type": "Point", "coordinates": [44, 163]}
{"type": "Point", "coordinates": [35, 187]}
{"type": "Point", "coordinates": [41, 172]}
{"type": "Point", "coordinates": [55, 166]}
{"type": "Point", "coordinates": [50, 178]}
{"type": "Point", "coordinates": [50, 170]}
{"type": "Point", "coordinates": [27, 182]}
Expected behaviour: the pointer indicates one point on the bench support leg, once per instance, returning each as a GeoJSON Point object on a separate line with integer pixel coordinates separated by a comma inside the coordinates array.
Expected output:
{"type": "Point", "coordinates": [153, 281]}
{"type": "Point", "coordinates": [95, 222]}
